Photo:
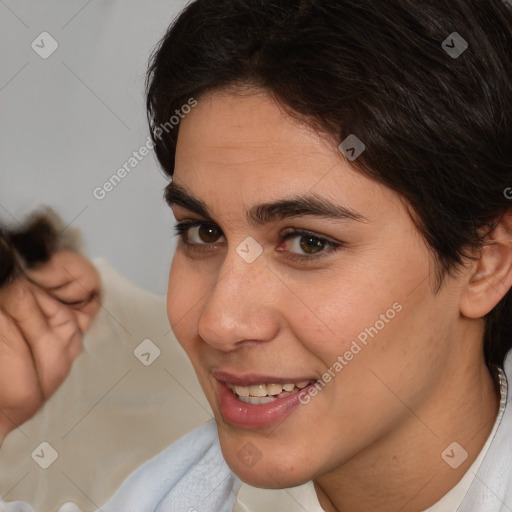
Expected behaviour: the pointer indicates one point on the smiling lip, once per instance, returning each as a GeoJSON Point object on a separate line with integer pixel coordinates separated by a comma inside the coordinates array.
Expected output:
{"type": "Point", "coordinates": [251, 416]}
{"type": "Point", "coordinates": [253, 379]}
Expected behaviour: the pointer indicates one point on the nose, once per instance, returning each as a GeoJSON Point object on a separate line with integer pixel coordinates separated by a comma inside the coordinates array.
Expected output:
{"type": "Point", "coordinates": [241, 307]}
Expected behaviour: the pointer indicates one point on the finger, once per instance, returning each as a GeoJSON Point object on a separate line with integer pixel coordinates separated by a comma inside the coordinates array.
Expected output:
{"type": "Point", "coordinates": [19, 302]}
{"type": "Point", "coordinates": [68, 276]}
{"type": "Point", "coordinates": [60, 319]}
{"type": "Point", "coordinates": [54, 354]}
{"type": "Point", "coordinates": [48, 328]}
{"type": "Point", "coordinates": [19, 384]}
{"type": "Point", "coordinates": [11, 339]}
{"type": "Point", "coordinates": [73, 280]}
{"type": "Point", "coordinates": [85, 314]}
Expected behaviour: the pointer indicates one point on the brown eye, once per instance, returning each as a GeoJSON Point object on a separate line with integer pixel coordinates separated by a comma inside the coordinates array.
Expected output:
{"type": "Point", "coordinates": [199, 233]}
{"type": "Point", "coordinates": [311, 244]}
{"type": "Point", "coordinates": [305, 246]}
{"type": "Point", "coordinates": [208, 233]}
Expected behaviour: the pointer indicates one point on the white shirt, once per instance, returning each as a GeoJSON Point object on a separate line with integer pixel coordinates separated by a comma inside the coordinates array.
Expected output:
{"type": "Point", "coordinates": [454, 498]}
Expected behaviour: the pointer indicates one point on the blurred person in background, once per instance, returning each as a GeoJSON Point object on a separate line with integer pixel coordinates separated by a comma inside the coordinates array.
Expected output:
{"type": "Point", "coordinates": [86, 357]}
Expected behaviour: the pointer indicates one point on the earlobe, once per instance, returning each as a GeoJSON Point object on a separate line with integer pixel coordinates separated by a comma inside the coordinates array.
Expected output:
{"type": "Point", "coordinates": [492, 273]}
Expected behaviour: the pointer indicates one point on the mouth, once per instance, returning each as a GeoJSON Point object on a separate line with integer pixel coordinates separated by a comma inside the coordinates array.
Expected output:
{"type": "Point", "coordinates": [259, 394]}
{"type": "Point", "coordinates": [258, 402]}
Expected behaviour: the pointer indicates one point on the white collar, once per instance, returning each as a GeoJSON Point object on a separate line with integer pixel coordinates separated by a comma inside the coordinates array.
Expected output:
{"type": "Point", "coordinates": [453, 499]}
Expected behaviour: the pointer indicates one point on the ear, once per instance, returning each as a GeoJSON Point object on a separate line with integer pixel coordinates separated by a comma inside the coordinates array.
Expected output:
{"type": "Point", "coordinates": [490, 277]}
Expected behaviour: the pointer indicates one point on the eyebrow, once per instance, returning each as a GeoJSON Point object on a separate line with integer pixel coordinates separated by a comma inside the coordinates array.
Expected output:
{"type": "Point", "coordinates": [311, 205]}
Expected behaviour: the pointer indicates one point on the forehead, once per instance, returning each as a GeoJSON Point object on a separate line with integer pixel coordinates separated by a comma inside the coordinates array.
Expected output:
{"type": "Point", "coordinates": [245, 148]}
{"type": "Point", "coordinates": [246, 129]}
{"type": "Point", "coordinates": [247, 134]}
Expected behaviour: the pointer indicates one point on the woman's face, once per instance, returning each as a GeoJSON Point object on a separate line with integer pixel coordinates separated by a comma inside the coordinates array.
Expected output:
{"type": "Point", "coordinates": [302, 283]}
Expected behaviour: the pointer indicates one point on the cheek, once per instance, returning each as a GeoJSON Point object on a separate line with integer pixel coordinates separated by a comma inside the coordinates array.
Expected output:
{"type": "Point", "coordinates": [184, 294]}
{"type": "Point", "coordinates": [333, 314]}
{"type": "Point", "coordinates": [352, 324]}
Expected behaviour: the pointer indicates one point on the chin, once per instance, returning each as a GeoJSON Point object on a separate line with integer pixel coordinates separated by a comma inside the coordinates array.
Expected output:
{"type": "Point", "coordinates": [266, 477]}
{"type": "Point", "coordinates": [268, 470]}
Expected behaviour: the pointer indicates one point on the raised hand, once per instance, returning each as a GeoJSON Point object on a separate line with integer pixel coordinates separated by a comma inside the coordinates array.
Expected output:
{"type": "Point", "coordinates": [39, 340]}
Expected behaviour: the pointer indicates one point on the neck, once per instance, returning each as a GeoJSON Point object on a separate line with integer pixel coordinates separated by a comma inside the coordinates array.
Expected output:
{"type": "Point", "coordinates": [405, 470]}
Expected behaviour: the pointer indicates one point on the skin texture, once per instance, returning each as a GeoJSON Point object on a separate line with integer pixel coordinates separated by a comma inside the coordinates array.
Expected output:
{"type": "Point", "coordinates": [373, 438]}
{"type": "Point", "coordinates": [42, 318]}
{"type": "Point", "coordinates": [73, 280]}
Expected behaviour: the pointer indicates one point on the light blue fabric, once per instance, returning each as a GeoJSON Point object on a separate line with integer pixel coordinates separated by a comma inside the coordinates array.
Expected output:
{"type": "Point", "coordinates": [189, 476]}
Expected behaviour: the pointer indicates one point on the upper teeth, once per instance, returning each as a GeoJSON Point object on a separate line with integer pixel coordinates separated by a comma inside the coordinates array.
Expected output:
{"type": "Point", "coordinates": [260, 390]}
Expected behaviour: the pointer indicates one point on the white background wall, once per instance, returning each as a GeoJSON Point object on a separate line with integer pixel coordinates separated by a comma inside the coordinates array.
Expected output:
{"type": "Point", "coordinates": [68, 122]}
